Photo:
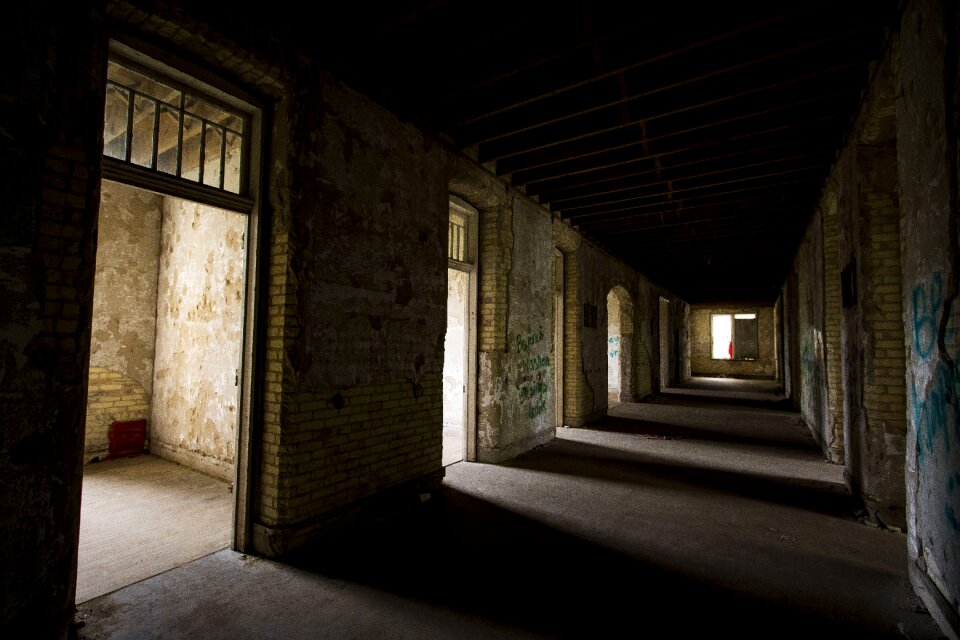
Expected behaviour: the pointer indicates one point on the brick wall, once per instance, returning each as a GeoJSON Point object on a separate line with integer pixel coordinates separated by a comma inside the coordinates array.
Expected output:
{"type": "Point", "coordinates": [52, 108]}
{"type": "Point", "coordinates": [701, 341]}
{"type": "Point", "coordinates": [111, 397]}
{"type": "Point", "coordinates": [356, 317]}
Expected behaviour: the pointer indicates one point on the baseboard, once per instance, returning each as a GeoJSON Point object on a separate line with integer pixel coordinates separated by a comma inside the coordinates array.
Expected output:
{"type": "Point", "coordinates": [940, 609]}
{"type": "Point", "coordinates": [502, 454]}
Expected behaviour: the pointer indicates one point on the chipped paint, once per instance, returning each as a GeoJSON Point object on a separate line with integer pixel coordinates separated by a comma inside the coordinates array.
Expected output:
{"type": "Point", "coordinates": [199, 332]}
{"type": "Point", "coordinates": [125, 290]}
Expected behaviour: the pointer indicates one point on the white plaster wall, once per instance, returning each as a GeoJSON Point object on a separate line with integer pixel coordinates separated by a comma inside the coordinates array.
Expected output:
{"type": "Point", "coordinates": [125, 290]}
{"type": "Point", "coordinates": [199, 332]}
{"type": "Point", "coordinates": [124, 303]}
{"type": "Point", "coordinates": [454, 348]}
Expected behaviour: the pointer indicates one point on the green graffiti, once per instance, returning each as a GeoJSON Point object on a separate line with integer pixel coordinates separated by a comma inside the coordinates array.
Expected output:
{"type": "Point", "coordinates": [525, 343]}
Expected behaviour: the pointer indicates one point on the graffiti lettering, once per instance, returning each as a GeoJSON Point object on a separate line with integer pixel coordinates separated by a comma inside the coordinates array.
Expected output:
{"type": "Point", "coordinates": [532, 368]}
{"type": "Point", "coordinates": [931, 415]}
{"type": "Point", "coordinates": [926, 307]}
{"type": "Point", "coordinates": [524, 343]}
{"type": "Point", "coordinates": [533, 389]}
{"type": "Point", "coordinates": [537, 409]}
{"type": "Point", "coordinates": [536, 362]}
{"type": "Point", "coordinates": [935, 405]}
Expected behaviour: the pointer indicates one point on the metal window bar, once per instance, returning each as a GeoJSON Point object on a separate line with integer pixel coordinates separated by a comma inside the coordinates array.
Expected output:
{"type": "Point", "coordinates": [203, 150]}
{"type": "Point", "coordinates": [456, 241]}
{"type": "Point", "coordinates": [223, 154]}
{"type": "Point", "coordinates": [180, 111]}
{"type": "Point", "coordinates": [156, 135]}
{"type": "Point", "coordinates": [131, 100]}
{"type": "Point", "coordinates": [204, 123]}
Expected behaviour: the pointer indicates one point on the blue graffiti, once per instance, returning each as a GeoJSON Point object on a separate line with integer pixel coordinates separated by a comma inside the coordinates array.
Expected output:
{"type": "Point", "coordinates": [926, 308]}
{"type": "Point", "coordinates": [932, 413]}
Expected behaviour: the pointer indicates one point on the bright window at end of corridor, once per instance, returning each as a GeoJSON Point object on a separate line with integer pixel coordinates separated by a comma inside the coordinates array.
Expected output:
{"type": "Point", "coordinates": [733, 336]}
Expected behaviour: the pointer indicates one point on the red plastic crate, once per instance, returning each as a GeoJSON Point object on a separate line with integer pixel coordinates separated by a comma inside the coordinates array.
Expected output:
{"type": "Point", "coordinates": [126, 438]}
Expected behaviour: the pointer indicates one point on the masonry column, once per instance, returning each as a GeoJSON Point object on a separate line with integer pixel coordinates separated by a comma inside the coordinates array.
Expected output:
{"type": "Point", "coordinates": [884, 401]}
{"type": "Point", "coordinates": [872, 334]}
{"type": "Point", "coordinates": [52, 105]}
{"type": "Point", "coordinates": [832, 318]}
{"type": "Point", "coordinates": [496, 258]}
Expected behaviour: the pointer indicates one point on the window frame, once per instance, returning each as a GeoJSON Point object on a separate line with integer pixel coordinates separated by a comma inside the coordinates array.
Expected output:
{"type": "Point", "coordinates": [733, 335]}
{"type": "Point", "coordinates": [230, 99]}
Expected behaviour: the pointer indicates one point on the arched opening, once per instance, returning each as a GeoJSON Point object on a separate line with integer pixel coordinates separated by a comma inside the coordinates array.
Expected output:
{"type": "Point", "coordinates": [619, 346]}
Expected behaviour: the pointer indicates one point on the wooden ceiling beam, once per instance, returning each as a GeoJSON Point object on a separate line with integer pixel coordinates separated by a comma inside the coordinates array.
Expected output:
{"type": "Point", "coordinates": [820, 128]}
{"type": "Point", "coordinates": [676, 97]}
{"type": "Point", "coordinates": [819, 158]}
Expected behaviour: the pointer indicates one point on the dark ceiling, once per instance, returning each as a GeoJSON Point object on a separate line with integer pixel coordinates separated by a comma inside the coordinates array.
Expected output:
{"type": "Point", "coordinates": [690, 139]}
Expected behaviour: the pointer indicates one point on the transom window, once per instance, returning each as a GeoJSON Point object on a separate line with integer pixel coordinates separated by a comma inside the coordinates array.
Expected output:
{"type": "Point", "coordinates": [457, 236]}
{"type": "Point", "coordinates": [152, 122]}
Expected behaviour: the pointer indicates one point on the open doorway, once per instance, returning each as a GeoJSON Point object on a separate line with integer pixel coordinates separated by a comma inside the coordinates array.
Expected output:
{"type": "Point", "coordinates": [166, 444]}
{"type": "Point", "coordinates": [619, 346]}
{"type": "Point", "coordinates": [163, 398]}
{"type": "Point", "coordinates": [459, 352]}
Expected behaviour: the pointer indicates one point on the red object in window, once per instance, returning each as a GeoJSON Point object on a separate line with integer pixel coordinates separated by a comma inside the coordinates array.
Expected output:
{"type": "Point", "coordinates": [730, 350]}
{"type": "Point", "coordinates": [126, 438]}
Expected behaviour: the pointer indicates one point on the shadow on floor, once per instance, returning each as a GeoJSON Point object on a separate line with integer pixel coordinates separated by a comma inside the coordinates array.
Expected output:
{"type": "Point", "coordinates": [471, 556]}
{"type": "Point", "coordinates": [597, 534]}
{"type": "Point", "coordinates": [668, 431]}
{"type": "Point", "coordinates": [647, 470]}
{"type": "Point", "coordinates": [468, 555]}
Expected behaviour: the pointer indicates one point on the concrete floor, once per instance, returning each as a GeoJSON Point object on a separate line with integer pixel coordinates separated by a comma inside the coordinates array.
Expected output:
{"type": "Point", "coordinates": [145, 515]}
{"type": "Point", "coordinates": [452, 444]}
{"type": "Point", "coordinates": [677, 518]}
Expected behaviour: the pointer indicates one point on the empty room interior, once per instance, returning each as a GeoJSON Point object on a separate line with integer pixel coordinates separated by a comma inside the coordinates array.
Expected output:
{"type": "Point", "coordinates": [495, 320]}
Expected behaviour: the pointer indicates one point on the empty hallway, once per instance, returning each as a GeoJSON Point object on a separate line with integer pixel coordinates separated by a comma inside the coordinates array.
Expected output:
{"type": "Point", "coordinates": [674, 518]}
{"type": "Point", "coordinates": [582, 314]}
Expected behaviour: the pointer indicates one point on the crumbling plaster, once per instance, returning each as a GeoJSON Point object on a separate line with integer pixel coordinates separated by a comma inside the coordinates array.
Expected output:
{"type": "Point", "coordinates": [927, 149]}
{"type": "Point", "coordinates": [199, 336]}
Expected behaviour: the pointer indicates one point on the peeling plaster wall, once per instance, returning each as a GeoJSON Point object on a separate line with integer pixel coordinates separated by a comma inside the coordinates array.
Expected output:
{"type": "Point", "coordinates": [701, 362]}
{"type": "Point", "coordinates": [646, 347]}
{"type": "Point", "coordinates": [927, 150]}
{"type": "Point", "coordinates": [527, 403]}
{"type": "Point", "coordinates": [516, 383]}
{"type": "Point", "coordinates": [199, 336]}
{"type": "Point", "coordinates": [124, 311]}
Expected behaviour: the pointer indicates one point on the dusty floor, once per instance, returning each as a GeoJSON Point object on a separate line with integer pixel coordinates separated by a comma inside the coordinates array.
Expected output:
{"type": "Point", "coordinates": [131, 510]}
{"type": "Point", "coordinates": [682, 518]}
